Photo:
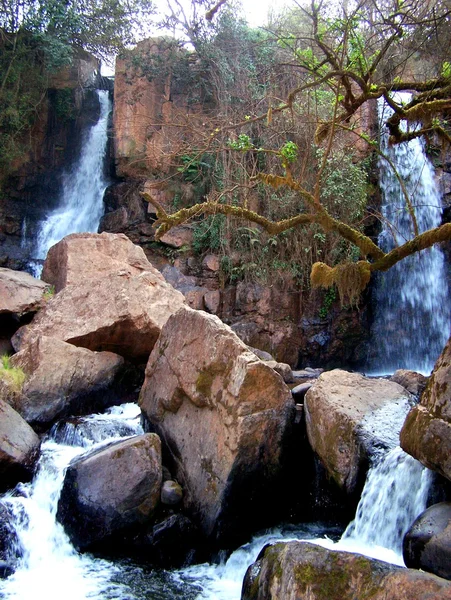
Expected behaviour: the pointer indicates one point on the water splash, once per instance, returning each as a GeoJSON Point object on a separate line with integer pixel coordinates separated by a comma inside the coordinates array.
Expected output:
{"type": "Point", "coordinates": [412, 308]}
{"type": "Point", "coordinates": [81, 206]}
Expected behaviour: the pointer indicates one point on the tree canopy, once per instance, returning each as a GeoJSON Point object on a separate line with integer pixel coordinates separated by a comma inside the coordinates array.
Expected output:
{"type": "Point", "coordinates": [325, 64]}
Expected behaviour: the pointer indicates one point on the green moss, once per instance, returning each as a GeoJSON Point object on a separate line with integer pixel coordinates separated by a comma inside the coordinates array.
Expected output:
{"type": "Point", "coordinates": [13, 376]}
{"type": "Point", "coordinates": [335, 581]}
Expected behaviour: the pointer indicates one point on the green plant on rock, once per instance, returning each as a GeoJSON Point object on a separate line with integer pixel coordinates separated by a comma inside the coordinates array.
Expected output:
{"type": "Point", "coordinates": [13, 376]}
{"type": "Point", "coordinates": [330, 296]}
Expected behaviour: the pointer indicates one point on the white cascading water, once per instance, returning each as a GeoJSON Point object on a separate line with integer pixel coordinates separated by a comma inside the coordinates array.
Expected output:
{"type": "Point", "coordinates": [393, 496]}
{"type": "Point", "coordinates": [412, 307]}
{"type": "Point", "coordinates": [84, 184]}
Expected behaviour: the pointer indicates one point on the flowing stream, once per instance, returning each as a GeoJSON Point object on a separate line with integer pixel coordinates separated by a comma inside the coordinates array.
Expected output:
{"type": "Point", "coordinates": [84, 184]}
{"type": "Point", "coordinates": [394, 495]}
{"type": "Point", "coordinates": [412, 307]}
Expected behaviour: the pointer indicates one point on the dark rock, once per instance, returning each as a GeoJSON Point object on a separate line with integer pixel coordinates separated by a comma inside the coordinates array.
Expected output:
{"type": "Point", "coordinates": [111, 490]}
{"type": "Point", "coordinates": [427, 544]}
{"type": "Point", "coordinates": [170, 543]}
{"type": "Point", "coordinates": [300, 390]}
{"type": "Point", "coordinates": [171, 493]}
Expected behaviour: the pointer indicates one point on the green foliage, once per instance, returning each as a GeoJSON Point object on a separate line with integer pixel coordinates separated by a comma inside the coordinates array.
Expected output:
{"type": "Point", "coordinates": [242, 143]}
{"type": "Point", "coordinates": [330, 295]}
{"type": "Point", "coordinates": [344, 186]}
{"type": "Point", "coordinates": [209, 234]}
{"type": "Point", "coordinates": [289, 152]}
{"type": "Point", "coordinates": [64, 104]}
{"type": "Point", "coordinates": [13, 376]}
{"type": "Point", "coordinates": [446, 70]}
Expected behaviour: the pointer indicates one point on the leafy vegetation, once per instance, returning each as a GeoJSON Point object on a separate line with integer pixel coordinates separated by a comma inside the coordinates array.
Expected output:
{"type": "Point", "coordinates": [289, 104]}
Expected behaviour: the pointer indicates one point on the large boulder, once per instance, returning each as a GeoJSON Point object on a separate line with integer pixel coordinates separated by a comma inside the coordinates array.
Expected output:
{"type": "Point", "coordinates": [82, 256]}
{"type": "Point", "coordinates": [119, 312]}
{"type": "Point", "coordinates": [111, 490]}
{"type": "Point", "coordinates": [427, 544]}
{"type": "Point", "coordinates": [426, 434]}
{"type": "Point", "coordinates": [223, 415]}
{"type": "Point", "coordinates": [20, 293]}
{"type": "Point", "coordinates": [19, 447]}
{"type": "Point", "coordinates": [62, 379]}
{"type": "Point", "coordinates": [347, 416]}
{"type": "Point", "coordinates": [303, 571]}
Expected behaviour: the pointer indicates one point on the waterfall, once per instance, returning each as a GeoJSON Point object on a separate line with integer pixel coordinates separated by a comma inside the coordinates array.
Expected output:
{"type": "Point", "coordinates": [81, 206]}
{"type": "Point", "coordinates": [46, 560]}
{"type": "Point", "coordinates": [412, 308]}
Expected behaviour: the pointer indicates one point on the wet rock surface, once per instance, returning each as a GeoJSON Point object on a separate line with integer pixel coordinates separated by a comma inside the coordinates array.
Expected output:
{"type": "Point", "coordinates": [427, 544]}
{"type": "Point", "coordinates": [343, 411]}
{"type": "Point", "coordinates": [111, 490]}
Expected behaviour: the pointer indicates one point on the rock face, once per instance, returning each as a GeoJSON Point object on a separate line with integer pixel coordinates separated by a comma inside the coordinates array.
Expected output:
{"type": "Point", "coordinates": [343, 411]}
{"type": "Point", "coordinates": [412, 381]}
{"type": "Point", "coordinates": [427, 544]}
{"type": "Point", "coordinates": [19, 447]}
{"type": "Point", "coordinates": [120, 313]}
{"type": "Point", "coordinates": [426, 434]}
{"type": "Point", "coordinates": [82, 256]}
{"type": "Point", "coordinates": [20, 293]}
{"type": "Point", "coordinates": [303, 571]}
{"type": "Point", "coordinates": [223, 415]}
{"type": "Point", "coordinates": [62, 379]}
{"type": "Point", "coordinates": [111, 490]}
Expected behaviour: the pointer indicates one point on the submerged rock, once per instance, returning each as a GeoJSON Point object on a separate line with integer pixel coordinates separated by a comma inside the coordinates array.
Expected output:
{"type": "Point", "coordinates": [349, 417]}
{"type": "Point", "coordinates": [111, 490]}
{"type": "Point", "coordinates": [427, 544]}
{"type": "Point", "coordinates": [223, 415]}
{"type": "Point", "coordinates": [303, 571]}
{"type": "Point", "coordinates": [19, 447]}
{"type": "Point", "coordinates": [426, 434]}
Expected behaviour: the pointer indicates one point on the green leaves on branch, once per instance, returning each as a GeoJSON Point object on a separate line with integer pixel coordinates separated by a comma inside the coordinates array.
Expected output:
{"type": "Point", "coordinates": [289, 152]}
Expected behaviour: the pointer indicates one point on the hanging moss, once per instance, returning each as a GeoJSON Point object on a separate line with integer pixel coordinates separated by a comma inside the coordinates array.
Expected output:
{"type": "Point", "coordinates": [350, 278]}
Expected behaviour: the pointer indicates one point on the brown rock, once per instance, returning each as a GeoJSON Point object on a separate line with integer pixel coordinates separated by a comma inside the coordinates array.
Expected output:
{"type": "Point", "coordinates": [212, 301]}
{"type": "Point", "coordinates": [19, 447]}
{"type": "Point", "coordinates": [178, 237]}
{"type": "Point", "coordinates": [342, 410]}
{"type": "Point", "coordinates": [223, 414]}
{"type": "Point", "coordinates": [122, 313]}
{"type": "Point", "coordinates": [82, 256]}
{"type": "Point", "coordinates": [63, 379]}
{"type": "Point", "coordinates": [412, 381]}
{"type": "Point", "coordinates": [111, 490]}
{"type": "Point", "coordinates": [211, 263]}
{"type": "Point", "coordinates": [20, 293]}
{"type": "Point", "coordinates": [426, 434]}
{"type": "Point", "coordinates": [282, 368]}
{"type": "Point", "coordinates": [303, 571]}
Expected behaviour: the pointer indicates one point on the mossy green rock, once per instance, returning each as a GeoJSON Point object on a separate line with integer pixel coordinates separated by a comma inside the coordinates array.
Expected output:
{"type": "Point", "coordinates": [304, 571]}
